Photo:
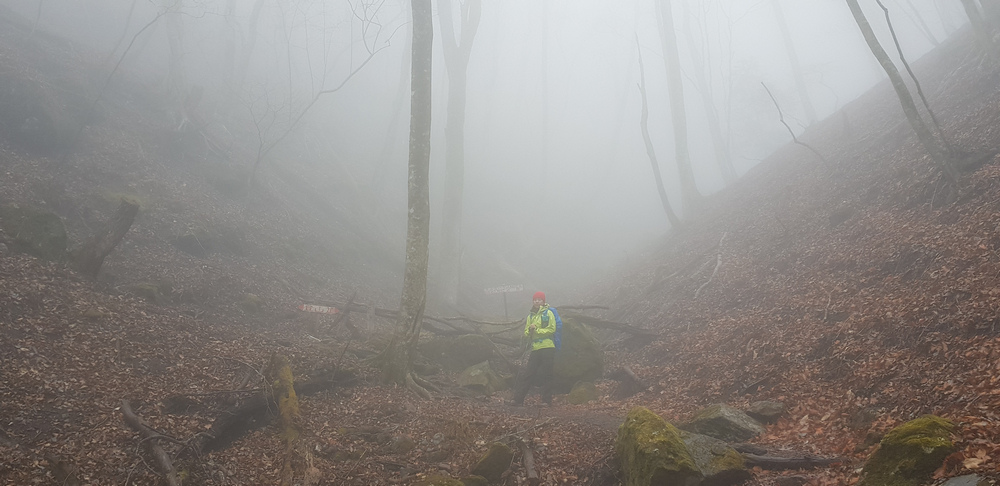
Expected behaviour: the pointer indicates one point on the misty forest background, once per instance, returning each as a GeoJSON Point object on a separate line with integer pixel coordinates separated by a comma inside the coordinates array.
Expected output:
{"type": "Point", "coordinates": [743, 199]}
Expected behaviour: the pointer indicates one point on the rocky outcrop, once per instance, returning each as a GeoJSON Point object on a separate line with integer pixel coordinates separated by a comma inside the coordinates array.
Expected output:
{"type": "Point", "coordinates": [724, 423]}
{"type": "Point", "coordinates": [482, 379]}
{"type": "Point", "coordinates": [580, 357]}
{"type": "Point", "coordinates": [909, 454]}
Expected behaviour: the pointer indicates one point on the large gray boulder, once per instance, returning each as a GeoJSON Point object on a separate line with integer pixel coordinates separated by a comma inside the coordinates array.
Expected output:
{"type": "Point", "coordinates": [724, 423]}
{"type": "Point", "coordinates": [580, 357]}
{"type": "Point", "coordinates": [720, 464]}
{"type": "Point", "coordinates": [482, 379]}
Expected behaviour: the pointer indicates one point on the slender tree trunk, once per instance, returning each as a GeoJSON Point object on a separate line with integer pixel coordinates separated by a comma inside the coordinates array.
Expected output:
{"type": "Point", "coordinates": [457, 49]}
{"type": "Point", "coordinates": [914, 15]}
{"type": "Point", "coordinates": [980, 28]}
{"type": "Point", "coordinates": [650, 152]}
{"type": "Point", "coordinates": [991, 10]}
{"type": "Point", "coordinates": [720, 145]}
{"type": "Point", "coordinates": [246, 54]}
{"type": "Point", "coordinates": [175, 38]}
{"type": "Point", "coordinates": [121, 38]}
{"type": "Point", "coordinates": [678, 116]}
{"type": "Point", "coordinates": [936, 151]}
{"type": "Point", "coordinates": [397, 358]}
{"type": "Point", "coordinates": [793, 59]}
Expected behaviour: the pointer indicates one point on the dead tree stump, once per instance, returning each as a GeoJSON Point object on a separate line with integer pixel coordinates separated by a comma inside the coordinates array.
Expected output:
{"type": "Point", "coordinates": [90, 258]}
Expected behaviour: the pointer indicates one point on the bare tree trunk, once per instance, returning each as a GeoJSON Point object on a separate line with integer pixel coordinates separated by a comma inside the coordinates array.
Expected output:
{"type": "Point", "coordinates": [650, 152]}
{"type": "Point", "coordinates": [793, 58]}
{"type": "Point", "coordinates": [936, 151]}
{"type": "Point", "coordinates": [90, 258]}
{"type": "Point", "coordinates": [991, 10]}
{"type": "Point", "coordinates": [678, 116]}
{"type": "Point", "coordinates": [457, 49]}
{"type": "Point", "coordinates": [914, 15]}
{"type": "Point", "coordinates": [980, 28]}
{"type": "Point", "coordinates": [175, 38]}
{"type": "Point", "coordinates": [121, 38]}
{"type": "Point", "coordinates": [397, 358]}
{"type": "Point", "coordinates": [720, 144]}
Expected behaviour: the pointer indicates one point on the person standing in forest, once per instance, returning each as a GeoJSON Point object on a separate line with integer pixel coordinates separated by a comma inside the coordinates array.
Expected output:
{"type": "Point", "coordinates": [539, 329]}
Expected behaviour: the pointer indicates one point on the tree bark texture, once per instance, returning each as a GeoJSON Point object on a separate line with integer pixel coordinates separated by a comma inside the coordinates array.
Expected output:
{"type": "Point", "coordinates": [924, 134]}
{"type": "Point", "coordinates": [980, 28]}
{"type": "Point", "coordinates": [399, 354]}
{"type": "Point", "coordinates": [793, 59]}
{"type": "Point", "coordinates": [90, 258]}
{"type": "Point", "coordinates": [720, 144]}
{"type": "Point", "coordinates": [457, 49]}
{"type": "Point", "coordinates": [650, 151]}
{"type": "Point", "coordinates": [678, 116]}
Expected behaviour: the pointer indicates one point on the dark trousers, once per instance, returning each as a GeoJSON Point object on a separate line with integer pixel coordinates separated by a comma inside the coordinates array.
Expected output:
{"type": "Point", "coordinates": [537, 372]}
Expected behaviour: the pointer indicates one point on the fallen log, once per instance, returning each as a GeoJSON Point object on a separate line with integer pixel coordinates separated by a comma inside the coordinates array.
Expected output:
{"type": "Point", "coordinates": [151, 437]}
{"type": "Point", "coordinates": [528, 458]}
{"type": "Point", "coordinates": [256, 412]}
{"type": "Point", "coordinates": [776, 463]}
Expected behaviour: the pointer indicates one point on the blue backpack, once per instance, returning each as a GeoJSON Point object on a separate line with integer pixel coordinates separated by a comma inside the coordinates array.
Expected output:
{"type": "Point", "coordinates": [557, 337]}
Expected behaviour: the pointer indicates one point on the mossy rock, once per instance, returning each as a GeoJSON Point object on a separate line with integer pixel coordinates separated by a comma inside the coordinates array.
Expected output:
{"type": "Point", "coordinates": [582, 392]}
{"type": "Point", "coordinates": [438, 481]}
{"type": "Point", "coordinates": [482, 379]}
{"type": "Point", "coordinates": [718, 462]}
{"type": "Point", "coordinates": [493, 464]}
{"type": "Point", "coordinates": [251, 304]}
{"type": "Point", "coordinates": [650, 451]}
{"type": "Point", "coordinates": [457, 354]}
{"type": "Point", "coordinates": [474, 481]}
{"type": "Point", "coordinates": [580, 358]}
{"type": "Point", "coordinates": [909, 454]}
{"type": "Point", "coordinates": [724, 423]}
{"type": "Point", "coordinates": [33, 231]}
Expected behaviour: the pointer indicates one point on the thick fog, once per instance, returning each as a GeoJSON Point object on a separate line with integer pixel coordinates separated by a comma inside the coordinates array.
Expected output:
{"type": "Point", "coordinates": [558, 187]}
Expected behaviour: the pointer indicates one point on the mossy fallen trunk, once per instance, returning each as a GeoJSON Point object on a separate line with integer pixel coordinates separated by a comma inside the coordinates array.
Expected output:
{"type": "Point", "coordinates": [651, 452]}
{"type": "Point", "coordinates": [909, 454]}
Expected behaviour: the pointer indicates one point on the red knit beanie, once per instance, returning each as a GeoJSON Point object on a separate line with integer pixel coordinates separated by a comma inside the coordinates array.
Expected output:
{"type": "Point", "coordinates": [539, 295]}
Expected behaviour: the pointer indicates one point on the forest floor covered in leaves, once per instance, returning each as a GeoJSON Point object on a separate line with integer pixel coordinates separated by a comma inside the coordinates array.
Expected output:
{"type": "Point", "coordinates": [861, 291]}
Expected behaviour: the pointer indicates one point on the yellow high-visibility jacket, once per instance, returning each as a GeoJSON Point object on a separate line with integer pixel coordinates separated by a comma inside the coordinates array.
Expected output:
{"type": "Point", "coordinates": [545, 327]}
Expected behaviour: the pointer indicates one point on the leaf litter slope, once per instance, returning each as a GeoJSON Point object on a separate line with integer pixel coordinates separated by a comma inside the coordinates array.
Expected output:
{"type": "Point", "coordinates": [861, 295]}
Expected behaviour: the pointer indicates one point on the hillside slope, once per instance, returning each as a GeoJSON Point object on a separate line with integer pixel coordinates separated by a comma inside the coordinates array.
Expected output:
{"type": "Point", "coordinates": [860, 293]}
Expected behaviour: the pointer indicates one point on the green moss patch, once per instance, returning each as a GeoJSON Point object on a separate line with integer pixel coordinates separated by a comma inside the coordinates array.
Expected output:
{"type": "Point", "coordinates": [909, 454]}
{"type": "Point", "coordinates": [651, 451]}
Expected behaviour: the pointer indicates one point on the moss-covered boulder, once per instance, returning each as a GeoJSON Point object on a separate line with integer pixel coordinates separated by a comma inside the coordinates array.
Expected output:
{"type": "Point", "coordinates": [474, 481]}
{"type": "Point", "coordinates": [650, 452]}
{"type": "Point", "coordinates": [438, 481]}
{"type": "Point", "coordinates": [909, 454]}
{"type": "Point", "coordinates": [720, 464]}
{"type": "Point", "coordinates": [482, 379]}
{"type": "Point", "coordinates": [493, 464]}
{"type": "Point", "coordinates": [724, 423]}
{"type": "Point", "coordinates": [33, 231]}
{"type": "Point", "coordinates": [457, 354]}
{"type": "Point", "coordinates": [582, 392]}
{"type": "Point", "coordinates": [579, 358]}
